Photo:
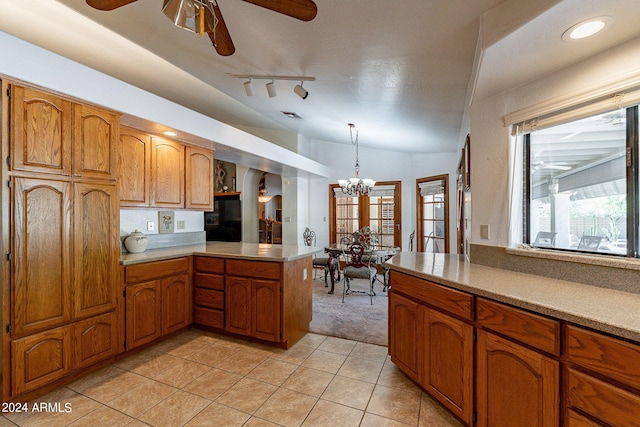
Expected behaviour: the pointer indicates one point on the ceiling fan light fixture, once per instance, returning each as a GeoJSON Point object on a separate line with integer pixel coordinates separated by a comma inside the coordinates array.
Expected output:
{"type": "Point", "coordinates": [300, 91]}
{"type": "Point", "coordinates": [186, 14]}
{"type": "Point", "coordinates": [248, 87]}
{"type": "Point", "coordinates": [271, 89]}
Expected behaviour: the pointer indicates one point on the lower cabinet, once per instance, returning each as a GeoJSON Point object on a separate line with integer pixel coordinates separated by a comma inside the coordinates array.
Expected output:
{"type": "Point", "coordinates": [447, 367]}
{"type": "Point", "coordinates": [95, 339]}
{"type": "Point", "coordinates": [602, 379]}
{"type": "Point", "coordinates": [40, 359]}
{"type": "Point", "coordinates": [208, 294]}
{"type": "Point", "coordinates": [405, 334]}
{"type": "Point", "coordinates": [158, 300]}
{"type": "Point", "coordinates": [253, 307]}
{"type": "Point", "coordinates": [433, 347]}
{"type": "Point", "coordinates": [516, 386]}
{"type": "Point", "coordinates": [143, 313]}
{"type": "Point", "coordinates": [47, 356]}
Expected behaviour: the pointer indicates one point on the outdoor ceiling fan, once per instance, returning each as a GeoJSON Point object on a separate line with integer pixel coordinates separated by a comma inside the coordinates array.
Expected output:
{"type": "Point", "coordinates": [204, 16]}
{"type": "Point", "coordinates": [539, 164]}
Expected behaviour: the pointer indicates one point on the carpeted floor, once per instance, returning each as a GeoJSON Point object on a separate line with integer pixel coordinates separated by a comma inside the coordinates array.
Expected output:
{"type": "Point", "coordinates": [355, 319]}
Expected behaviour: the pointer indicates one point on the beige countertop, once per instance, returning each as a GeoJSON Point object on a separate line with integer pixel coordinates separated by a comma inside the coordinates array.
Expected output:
{"type": "Point", "coordinates": [606, 310]}
{"type": "Point", "coordinates": [254, 251]}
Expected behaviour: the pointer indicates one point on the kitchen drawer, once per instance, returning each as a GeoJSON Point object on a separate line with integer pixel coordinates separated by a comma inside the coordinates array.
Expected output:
{"type": "Point", "coordinates": [612, 357]}
{"type": "Point", "coordinates": [209, 298]}
{"type": "Point", "coordinates": [211, 281]}
{"type": "Point", "coordinates": [538, 331]}
{"type": "Point", "coordinates": [156, 270]}
{"type": "Point", "coordinates": [611, 405]}
{"type": "Point", "coordinates": [258, 269]}
{"type": "Point", "coordinates": [208, 264]}
{"type": "Point", "coordinates": [437, 296]}
{"type": "Point", "coordinates": [209, 317]}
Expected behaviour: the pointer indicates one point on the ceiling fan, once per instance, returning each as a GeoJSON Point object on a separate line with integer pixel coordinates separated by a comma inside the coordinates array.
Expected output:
{"type": "Point", "coordinates": [539, 164]}
{"type": "Point", "coordinates": [202, 16]}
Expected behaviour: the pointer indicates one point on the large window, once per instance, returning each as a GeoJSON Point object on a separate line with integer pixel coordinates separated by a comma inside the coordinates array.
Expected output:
{"type": "Point", "coordinates": [380, 211]}
{"type": "Point", "coordinates": [581, 184]}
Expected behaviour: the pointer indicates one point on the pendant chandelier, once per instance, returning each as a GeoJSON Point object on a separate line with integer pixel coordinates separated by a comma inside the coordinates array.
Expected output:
{"type": "Point", "coordinates": [356, 185]}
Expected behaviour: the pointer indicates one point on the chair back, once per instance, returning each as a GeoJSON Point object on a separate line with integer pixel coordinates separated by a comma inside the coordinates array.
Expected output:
{"type": "Point", "coordinates": [353, 255]}
{"type": "Point", "coordinates": [591, 243]}
{"type": "Point", "coordinates": [309, 237]}
{"type": "Point", "coordinates": [545, 239]}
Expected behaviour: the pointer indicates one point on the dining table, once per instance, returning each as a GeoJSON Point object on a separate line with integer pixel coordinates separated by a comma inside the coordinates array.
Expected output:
{"type": "Point", "coordinates": [335, 251]}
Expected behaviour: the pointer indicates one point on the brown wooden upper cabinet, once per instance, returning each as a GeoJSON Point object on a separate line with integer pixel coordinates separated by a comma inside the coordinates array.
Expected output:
{"type": "Point", "coordinates": [54, 135]}
{"type": "Point", "coordinates": [135, 168]}
{"type": "Point", "coordinates": [199, 179]}
{"type": "Point", "coordinates": [156, 172]}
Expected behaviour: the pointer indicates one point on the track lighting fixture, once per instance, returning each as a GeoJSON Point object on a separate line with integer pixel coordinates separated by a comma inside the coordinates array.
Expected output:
{"type": "Point", "coordinates": [248, 87]}
{"type": "Point", "coordinates": [271, 87]}
{"type": "Point", "coordinates": [300, 91]}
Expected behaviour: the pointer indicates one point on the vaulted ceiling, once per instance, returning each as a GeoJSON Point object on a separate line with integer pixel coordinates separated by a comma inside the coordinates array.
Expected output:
{"type": "Point", "coordinates": [402, 71]}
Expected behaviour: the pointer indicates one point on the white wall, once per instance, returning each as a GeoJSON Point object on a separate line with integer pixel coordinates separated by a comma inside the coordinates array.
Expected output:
{"type": "Point", "coordinates": [490, 139]}
{"type": "Point", "coordinates": [381, 165]}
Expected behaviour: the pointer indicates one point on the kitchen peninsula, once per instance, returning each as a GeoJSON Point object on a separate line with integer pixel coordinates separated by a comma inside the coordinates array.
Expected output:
{"type": "Point", "coordinates": [253, 290]}
{"type": "Point", "coordinates": [498, 347]}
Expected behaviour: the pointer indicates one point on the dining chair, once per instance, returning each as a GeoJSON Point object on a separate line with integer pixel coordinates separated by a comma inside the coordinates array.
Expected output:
{"type": "Point", "coordinates": [357, 268]}
{"type": "Point", "coordinates": [319, 263]}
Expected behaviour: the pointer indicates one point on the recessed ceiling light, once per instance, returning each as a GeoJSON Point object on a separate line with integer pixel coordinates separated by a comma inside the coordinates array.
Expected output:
{"type": "Point", "coordinates": [169, 133]}
{"type": "Point", "coordinates": [587, 28]}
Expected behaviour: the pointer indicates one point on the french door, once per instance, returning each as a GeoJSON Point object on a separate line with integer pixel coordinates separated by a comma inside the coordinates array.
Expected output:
{"type": "Point", "coordinates": [432, 203]}
{"type": "Point", "coordinates": [381, 211]}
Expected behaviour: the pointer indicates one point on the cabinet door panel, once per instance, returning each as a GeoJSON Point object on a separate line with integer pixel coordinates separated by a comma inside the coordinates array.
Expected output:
{"type": "Point", "coordinates": [448, 362]}
{"type": "Point", "coordinates": [167, 174]}
{"type": "Point", "coordinates": [265, 310]}
{"type": "Point", "coordinates": [199, 179]}
{"type": "Point", "coordinates": [176, 303]}
{"type": "Point", "coordinates": [95, 136]}
{"type": "Point", "coordinates": [42, 262]}
{"type": "Point", "coordinates": [238, 305]}
{"type": "Point", "coordinates": [95, 339]}
{"type": "Point", "coordinates": [516, 386]}
{"type": "Point", "coordinates": [39, 359]}
{"type": "Point", "coordinates": [96, 248]}
{"type": "Point", "coordinates": [144, 322]}
{"type": "Point", "coordinates": [135, 168]}
{"type": "Point", "coordinates": [40, 132]}
{"type": "Point", "coordinates": [405, 334]}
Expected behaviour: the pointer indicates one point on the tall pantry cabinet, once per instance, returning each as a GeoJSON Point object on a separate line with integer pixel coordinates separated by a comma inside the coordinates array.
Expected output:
{"type": "Point", "coordinates": [60, 235]}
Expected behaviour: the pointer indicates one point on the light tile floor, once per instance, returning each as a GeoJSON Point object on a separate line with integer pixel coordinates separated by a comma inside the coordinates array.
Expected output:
{"type": "Point", "coordinates": [202, 379]}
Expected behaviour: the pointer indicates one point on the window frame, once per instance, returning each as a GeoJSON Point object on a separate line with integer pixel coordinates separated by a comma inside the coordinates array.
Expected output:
{"type": "Point", "coordinates": [363, 211]}
{"type": "Point", "coordinates": [632, 189]}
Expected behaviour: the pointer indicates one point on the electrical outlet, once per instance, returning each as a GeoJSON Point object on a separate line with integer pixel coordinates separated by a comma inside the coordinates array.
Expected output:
{"type": "Point", "coordinates": [151, 226]}
{"type": "Point", "coordinates": [180, 225]}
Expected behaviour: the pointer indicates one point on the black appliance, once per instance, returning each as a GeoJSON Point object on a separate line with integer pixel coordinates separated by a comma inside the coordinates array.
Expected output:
{"type": "Point", "coordinates": [224, 224]}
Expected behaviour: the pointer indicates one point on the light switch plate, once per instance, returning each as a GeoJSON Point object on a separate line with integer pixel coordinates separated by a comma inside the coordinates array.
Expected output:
{"type": "Point", "coordinates": [150, 226]}
{"type": "Point", "coordinates": [180, 225]}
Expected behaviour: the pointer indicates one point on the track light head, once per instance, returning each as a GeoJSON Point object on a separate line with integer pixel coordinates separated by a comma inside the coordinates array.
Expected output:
{"type": "Point", "coordinates": [248, 87]}
{"type": "Point", "coordinates": [300, 91]}
{"type": "Point", "coordinates": [271, 89]}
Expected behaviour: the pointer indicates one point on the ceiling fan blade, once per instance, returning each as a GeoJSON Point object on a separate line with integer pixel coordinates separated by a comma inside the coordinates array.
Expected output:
{"type": "Point", "coordinates": [304, 10]}
{"type": "Point", "coordinates": [220, 36]}
{"type": "Point", "coordinates": [108, 4]}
